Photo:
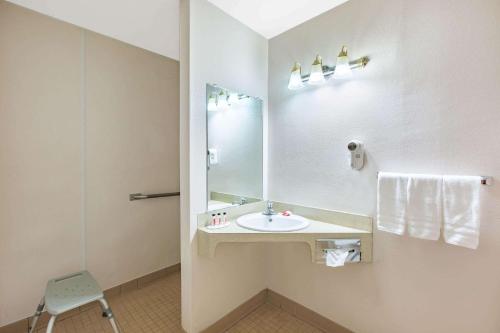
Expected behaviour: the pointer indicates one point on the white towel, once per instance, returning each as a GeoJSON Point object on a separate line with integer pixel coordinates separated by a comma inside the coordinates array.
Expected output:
{"type": "Point", "coordinates": [391, 202]}
{"type": "Point", "coordinates": [461, 210]}
{"type": "Point", "coordinates": [423, 212]}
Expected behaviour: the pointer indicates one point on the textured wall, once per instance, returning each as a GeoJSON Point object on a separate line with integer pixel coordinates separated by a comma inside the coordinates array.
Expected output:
{"type": "Point", "coordinates": [428, 103]}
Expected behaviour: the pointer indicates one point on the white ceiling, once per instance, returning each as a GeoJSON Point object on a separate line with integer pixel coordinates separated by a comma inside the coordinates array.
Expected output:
{"type": "Point", "coordinates": [272, 17]}
{"type": "Point", "coordinates": [152, 25]}
{"type": "Point", "coordinates": [155, 26]}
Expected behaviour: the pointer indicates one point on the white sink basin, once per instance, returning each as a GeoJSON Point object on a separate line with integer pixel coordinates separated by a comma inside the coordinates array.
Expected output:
{"type": "Point", "coordinates": [274, 223]}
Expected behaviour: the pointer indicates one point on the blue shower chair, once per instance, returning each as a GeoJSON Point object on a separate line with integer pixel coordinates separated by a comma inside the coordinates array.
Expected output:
{"type": "Point", "coordinates": [70, 292]}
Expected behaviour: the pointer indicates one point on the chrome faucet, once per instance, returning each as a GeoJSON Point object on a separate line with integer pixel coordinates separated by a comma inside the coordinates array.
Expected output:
{"type": "Point", "coordinates": [269, 209]}
{"type": "Point", "coordinates": [241, 201]}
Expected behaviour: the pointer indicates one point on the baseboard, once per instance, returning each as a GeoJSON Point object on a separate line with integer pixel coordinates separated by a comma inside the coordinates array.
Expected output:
{"type": "Point", "coordinates": [237, 314]}
{"type": "Point", "coordinates": [305, 314]}
{"type": "Point", "coordinates": [141, 282]}
{"type": "Point", "coordinates": [22, 326]}
{"type": "Point", "coordinates": [223, 324]}
{"type": "Point", "coordinates": [295, 309]}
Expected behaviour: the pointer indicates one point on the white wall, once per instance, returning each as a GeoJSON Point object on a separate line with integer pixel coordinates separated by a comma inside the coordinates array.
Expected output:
{"type": "Point", "coordinates": [152, 25]}
{"type": "Point", "coordinates": [131, 145]}
{"type": "Point", "coordinates": [40, 167]}
{"type": "Point", "coordinates": [427, 102]}
{"type": "Point", "coordinates": [218, 49]}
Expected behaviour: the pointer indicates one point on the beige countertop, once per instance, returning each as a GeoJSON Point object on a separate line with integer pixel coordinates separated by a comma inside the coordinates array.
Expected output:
{"type": "Point", "coordinates": [333, 225]}
{"type": "Point", "coordinates": [316, 227]}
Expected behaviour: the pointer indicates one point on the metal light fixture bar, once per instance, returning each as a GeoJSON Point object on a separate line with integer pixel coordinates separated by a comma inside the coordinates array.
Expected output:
{"type": "Point", "coordinates": [329, 70]}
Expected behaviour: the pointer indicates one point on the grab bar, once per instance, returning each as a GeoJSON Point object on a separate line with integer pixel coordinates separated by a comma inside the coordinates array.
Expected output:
{"type": "Point", "coordinates": [140, 196]}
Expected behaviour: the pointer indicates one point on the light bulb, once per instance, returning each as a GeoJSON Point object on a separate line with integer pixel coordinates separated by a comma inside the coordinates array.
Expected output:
{"type": "Point", "coordinates": [233, 98]}
{"type": "Point", "coordinates": [222, 103]}
{"type": "Point", "coordinates": [295, 81]}
{"type": "Point", "coordinates": [317, 76]}
{"type": "Point", "coordinates": [212, 104]}
{"type": "Point", "coordinates": [342, 68]}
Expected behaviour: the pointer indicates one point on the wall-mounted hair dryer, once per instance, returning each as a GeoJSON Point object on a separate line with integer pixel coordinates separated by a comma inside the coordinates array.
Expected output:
{"type": "Point", "coordinates": [357, 154]}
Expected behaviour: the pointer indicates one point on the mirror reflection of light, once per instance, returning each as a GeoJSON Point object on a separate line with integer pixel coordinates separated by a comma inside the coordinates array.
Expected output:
{"type": "Point", "coordinates": [233, 98]}
{"type": "Point", "coordinates": [222, 103]}
{"type": "Point", "coordinates": [212, 103]}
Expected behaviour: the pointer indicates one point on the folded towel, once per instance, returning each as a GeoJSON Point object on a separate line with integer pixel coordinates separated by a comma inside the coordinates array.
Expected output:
{"type": "Point", "coordinates": [461, 210]}
{"type": "Point", "coordinates": [423, 212]}
{"type": "Point", "coordinates": [391, 202]}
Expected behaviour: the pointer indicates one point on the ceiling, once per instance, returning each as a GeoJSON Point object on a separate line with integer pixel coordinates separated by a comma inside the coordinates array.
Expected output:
{"type": "Point", "coordinates": [154, 27]}
{"type": "Point", "coordinates": [272, 17]}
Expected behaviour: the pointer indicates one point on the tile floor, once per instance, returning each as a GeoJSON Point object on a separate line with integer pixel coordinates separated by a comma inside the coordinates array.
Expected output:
{"type": "Point", "coordinates": [270, 319]}
{"type": "Point", "coordinates": [155, 308]}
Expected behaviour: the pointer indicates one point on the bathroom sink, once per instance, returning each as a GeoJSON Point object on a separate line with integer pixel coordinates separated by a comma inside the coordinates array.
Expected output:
{"type": "Point", "coordinates": [273, 223]}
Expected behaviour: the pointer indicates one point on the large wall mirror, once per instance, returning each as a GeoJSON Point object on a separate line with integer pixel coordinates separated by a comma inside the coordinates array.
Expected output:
{"type": "Point", "coordinates": [235, 145]}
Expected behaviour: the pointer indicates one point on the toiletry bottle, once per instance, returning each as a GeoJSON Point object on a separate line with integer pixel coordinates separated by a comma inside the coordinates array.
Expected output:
{"type": "Point", "coordinates": [212, 222]}
{"type": "Point", "coordinates": [224, 218]}
{"type": "Point", "coordinates": [219, 219]}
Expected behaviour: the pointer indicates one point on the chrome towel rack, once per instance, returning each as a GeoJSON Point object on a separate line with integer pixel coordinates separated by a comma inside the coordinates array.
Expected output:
{"type": "Point", "coordinates": [141, 196]}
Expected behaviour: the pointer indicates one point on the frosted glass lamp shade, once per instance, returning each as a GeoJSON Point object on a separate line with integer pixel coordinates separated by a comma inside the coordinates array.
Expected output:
{"type": "Point", "coordinates": [317, 76]}
{"type": "Point", "coordinates": [295, 81]}
{"type": "Point", "coordinates": [342, 69]}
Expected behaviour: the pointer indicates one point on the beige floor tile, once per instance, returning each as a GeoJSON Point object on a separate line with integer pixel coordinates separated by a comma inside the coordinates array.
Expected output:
{"type": "Point", "coordinates": [271, 319]}
{"type": "Point", "coordinates": [156, 308]}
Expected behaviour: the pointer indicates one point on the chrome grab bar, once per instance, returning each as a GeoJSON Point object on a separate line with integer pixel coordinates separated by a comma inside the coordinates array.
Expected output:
{"type": "Point", "coordinates": [140, 196]}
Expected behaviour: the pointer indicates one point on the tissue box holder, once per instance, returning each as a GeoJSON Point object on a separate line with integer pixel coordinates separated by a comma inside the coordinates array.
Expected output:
{"type": "Point", "coordinates": [353, 245]}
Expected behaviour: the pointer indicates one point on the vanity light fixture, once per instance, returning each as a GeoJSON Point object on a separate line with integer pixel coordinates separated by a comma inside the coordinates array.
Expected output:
{"type": "Point", "coordinates": [320, 73]}
{"type": "Point", "coordinates": [212, 103]}
{"type": "Point", "coordinates": [222, 103]}
{"type": "Point", "coordinates": [295, 81]}
{"type": "Point", "coordinates": [342, 68]}
{"type": "Point", "coordinates": [317, 76]}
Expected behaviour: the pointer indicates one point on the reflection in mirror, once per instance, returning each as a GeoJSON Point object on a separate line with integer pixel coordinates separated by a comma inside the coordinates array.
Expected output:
{"type": "Point", "coordinates": [234, 143]}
